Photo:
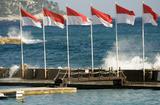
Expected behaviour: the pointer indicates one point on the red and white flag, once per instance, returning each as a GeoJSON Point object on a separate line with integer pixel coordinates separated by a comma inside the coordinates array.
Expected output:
{"type": "Point", "coordinates": [149, 16]}
{"type": "Point", "coordinates": [124, 15]}
{"type": "Point", "coordinates": [99, 17]}
{"type": "Point", "coordinates": [53, 19]}
{"type": "Point", "coordinates": [29, 20]}
{"type": "Point", "coordinates": [75, 18]}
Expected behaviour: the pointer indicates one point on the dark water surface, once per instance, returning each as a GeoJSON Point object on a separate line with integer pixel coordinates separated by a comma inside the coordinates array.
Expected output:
{"type": "Point", "coordinates": [93, 97]}
{"type": "Point", "coordinates": [79, 39]}
{"type": "Point", "coordinates": [104, 40]}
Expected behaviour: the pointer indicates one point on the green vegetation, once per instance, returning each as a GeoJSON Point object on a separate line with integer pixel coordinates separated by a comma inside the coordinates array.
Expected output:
{"type": "Point", "coordinates": [11, 7]}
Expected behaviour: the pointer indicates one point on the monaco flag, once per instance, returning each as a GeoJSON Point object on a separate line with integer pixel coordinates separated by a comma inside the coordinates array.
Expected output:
{"type": "Point", "coordinates": [99, 17]}
{"type": "Point", "coordinates": [149, 15]}
{"type": "Point", "coordinates": [75, 18]}
{"type": "Point", "coordinates": [53, 19]}
{"type": "Point", "coordinates": [124, 15]}
{"type": "Point", "coordinates": [29, 20]}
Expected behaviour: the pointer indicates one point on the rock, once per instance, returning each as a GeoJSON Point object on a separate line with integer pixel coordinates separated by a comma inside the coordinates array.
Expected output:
{"type": "Point", "coordinates": [6, 40]}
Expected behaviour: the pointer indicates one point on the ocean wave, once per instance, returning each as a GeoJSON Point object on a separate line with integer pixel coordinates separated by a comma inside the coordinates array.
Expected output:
{"type": "Point", "coordinates": [32, 41]}
{"type": "Point", "coordinates": [14, 37]}
{"type": "Point", "coordinates": [129, 60]}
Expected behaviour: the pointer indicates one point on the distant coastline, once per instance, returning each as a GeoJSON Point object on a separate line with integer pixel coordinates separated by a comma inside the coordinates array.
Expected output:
{"type": "Point", "coordinates": [9, 9]}
{"type": "Point", "coordinates": [16, 17]}
{"type": "Point", "coordinates": [9, 18]}
{"type": "Point", "coordinates": [39, 16]}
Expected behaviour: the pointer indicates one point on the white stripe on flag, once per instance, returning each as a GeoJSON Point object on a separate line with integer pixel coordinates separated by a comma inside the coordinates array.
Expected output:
{"type": "Point", "coordinates": [76, 20]}
{"type": "Point", "coordinates": [124, 18]}
{"type": "Point", "coordinates": [97, 20]}
{"type": "Point", "coordinates": [29, 22]}
{"type": "Point", "coordinates": [49, 22]}
{"type": "Point", "coordinates": [148, 18]}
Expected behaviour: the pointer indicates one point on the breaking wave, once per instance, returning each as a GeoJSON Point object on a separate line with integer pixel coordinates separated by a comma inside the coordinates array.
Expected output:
{"type": "Point", "coordinates": [27, 38]}
{"type": "Point", "coordinates": [13, 69]}
{"type": "Point", "coordinates": [129, 60]}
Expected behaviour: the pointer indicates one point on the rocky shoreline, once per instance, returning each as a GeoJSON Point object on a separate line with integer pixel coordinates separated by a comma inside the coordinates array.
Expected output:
{"type": "Point", "coordinates": [6, 40]}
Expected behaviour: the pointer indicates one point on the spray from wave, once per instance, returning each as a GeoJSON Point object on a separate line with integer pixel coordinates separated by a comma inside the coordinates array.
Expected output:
{"type": "Point", "coordinates": [156, 65]}
{"type": "Point", "coordinates": [27, 38]}
{"type": "Point", "coordinates": [13, 69]}
{"type": "Point", "coordinates": [129, 57]}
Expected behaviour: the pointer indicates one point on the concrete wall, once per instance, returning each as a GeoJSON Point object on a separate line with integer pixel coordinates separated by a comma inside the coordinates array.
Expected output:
{"type": "Point", "coordinates": [137, 75]}
{"type": "Point", "coordinates": [4, 72]}
{"type": "Point", "coordinates": [132, 75]}
{"type": "Point", "coordinates": [39, 74]}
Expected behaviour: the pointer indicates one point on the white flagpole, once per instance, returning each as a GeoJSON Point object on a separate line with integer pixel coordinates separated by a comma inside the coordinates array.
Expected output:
{"type": "Point", "coordinates": [68, 53]}
{"type": "Point", "coordinates": [143, 54]}
{"type": "Point", "coordinates": [92, 53]}
{"type": "Point", "coordinates": [117, 48]}
{"type": "Point", "coordinates": [21, 32]}
{"type": "Point", "coordinates": [44, 46]}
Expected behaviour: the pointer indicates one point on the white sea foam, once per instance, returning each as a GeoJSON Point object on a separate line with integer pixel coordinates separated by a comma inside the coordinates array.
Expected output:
{"type": "Point", "coordinates": [156, 65]}
{"type": "Point", "coordinates": [135, 62]}
{"type": "Point", "coordinates": [129, 60]}
{"type": "Point", "coordinates": [32, 66]}
{"type": "Point", "coordinates": [26, 37]}
{"type": "Point", "coordinates": [13, 69]}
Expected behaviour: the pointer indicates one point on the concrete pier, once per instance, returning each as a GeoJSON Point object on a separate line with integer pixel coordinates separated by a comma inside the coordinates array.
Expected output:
{"type": "Point", "coordinates": [38, 74]}
{"type": "Point", "coordinates": [83, 80]}
{"type": "Point", "coordinates": [39, 90]}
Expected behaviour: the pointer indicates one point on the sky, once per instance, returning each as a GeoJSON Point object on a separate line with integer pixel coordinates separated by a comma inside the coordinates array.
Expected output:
{"type": "Point", "coordinates": [108, 6]}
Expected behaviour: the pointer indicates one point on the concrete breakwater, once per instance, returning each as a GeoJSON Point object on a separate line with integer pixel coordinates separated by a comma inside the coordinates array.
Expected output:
{"type": "Point", "coordinates": [52, 74]}
{"type": "Point", "coordinates": [38, 91]}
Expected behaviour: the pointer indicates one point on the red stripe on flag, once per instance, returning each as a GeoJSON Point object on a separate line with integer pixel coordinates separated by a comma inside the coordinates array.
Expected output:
{"type": "Point", "coordinates": [122, 10]}
{"type": "Point", "coordinates": [54, 16]}
{"type": "Point", "coordinates": [27, 14]}
{"type": "Point", "coordinates": [71, 12]}
{"type": "Point", "coordinates": [102, 15]}
{"type": "Point", "coordinates": [147, 9]}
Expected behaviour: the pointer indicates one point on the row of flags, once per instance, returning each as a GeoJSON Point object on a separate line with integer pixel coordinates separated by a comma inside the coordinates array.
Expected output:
{"type": "Point", "coordinates": [75, 18]}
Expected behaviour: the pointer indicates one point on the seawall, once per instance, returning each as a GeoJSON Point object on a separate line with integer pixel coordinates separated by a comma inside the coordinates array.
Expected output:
{"type": "Point", "coordinates": [38, 74]}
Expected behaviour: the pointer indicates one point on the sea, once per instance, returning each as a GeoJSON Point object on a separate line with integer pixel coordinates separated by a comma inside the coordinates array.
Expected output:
{"type": "Point", "coordinates": [104, 43]}
{"type": "Point", "coordinates": [91, 97]}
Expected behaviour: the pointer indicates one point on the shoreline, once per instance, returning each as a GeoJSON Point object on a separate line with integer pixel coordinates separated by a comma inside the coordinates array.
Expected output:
{"type": "Point", "coordinates": [39, 16]}
{"type": "Point", "coordinates": [17, 18]}
{"type": "Point", "coordinates": [9, 18]}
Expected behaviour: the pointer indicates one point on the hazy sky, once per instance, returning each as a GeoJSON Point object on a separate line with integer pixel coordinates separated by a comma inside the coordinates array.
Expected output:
{"type": "Point", "coordinates": [108, 6]}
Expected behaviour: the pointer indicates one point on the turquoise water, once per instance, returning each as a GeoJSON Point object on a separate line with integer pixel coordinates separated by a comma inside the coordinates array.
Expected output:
{"type": "Point", "coordinates": [93, 97]}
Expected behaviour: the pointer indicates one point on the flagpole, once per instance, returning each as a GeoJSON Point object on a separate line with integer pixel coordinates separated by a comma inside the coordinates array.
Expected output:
{"type": "Point", "coordinates": [21, 32]}
{"type": "Point", "coordinates": [92, 52]}
{"type": "Point", "coordinates": [117, 48]}
{"type": "Point", "coordinates": [68, 53]}
{"type": "Point", "coordinates": [44, 46]}
{"type": "Point", "coordinates": [143, 47]}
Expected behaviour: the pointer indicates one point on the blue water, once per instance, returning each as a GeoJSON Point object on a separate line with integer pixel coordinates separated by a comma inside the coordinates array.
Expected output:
{"type": "Point", "coordinates": [92, 97]}
{"type": "Point", "coordinates": [79, 39]}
